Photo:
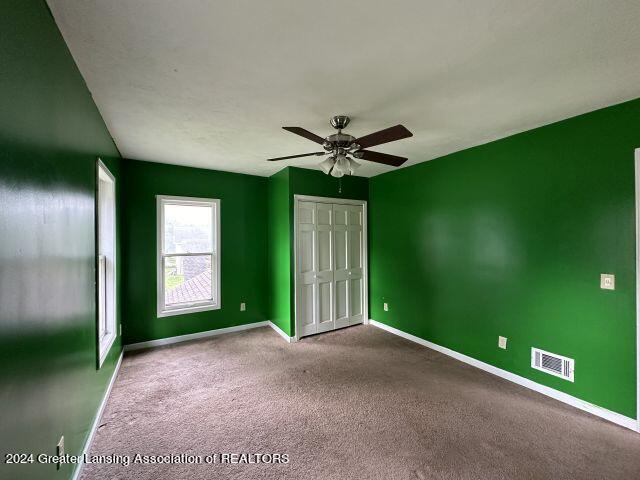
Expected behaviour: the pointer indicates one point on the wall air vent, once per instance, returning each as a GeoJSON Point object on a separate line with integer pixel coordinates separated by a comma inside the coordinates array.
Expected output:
{"type": "Point", "coordinates": [552, 363]}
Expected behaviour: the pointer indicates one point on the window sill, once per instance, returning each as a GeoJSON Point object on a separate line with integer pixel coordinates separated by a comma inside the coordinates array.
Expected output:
{"type": "Point", "coordinates": [185, 310]}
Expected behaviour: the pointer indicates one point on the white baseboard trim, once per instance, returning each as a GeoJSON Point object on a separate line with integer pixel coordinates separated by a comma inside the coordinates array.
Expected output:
{"type": "Point", "coordinates": [281, 333]}
{"type": "Point", "coordinates": [614, 417]}
{"type": "Point", "coordinates": [96, 420]}
{"type": "Point", "coordinates": [192, 336]}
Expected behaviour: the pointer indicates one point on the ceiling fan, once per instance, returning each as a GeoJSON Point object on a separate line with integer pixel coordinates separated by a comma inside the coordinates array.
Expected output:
{"type": "Point", "coordinates": [340, 145]}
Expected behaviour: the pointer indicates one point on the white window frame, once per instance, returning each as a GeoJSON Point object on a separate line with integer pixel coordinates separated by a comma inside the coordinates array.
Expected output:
{"type": "Point", "coordinates": [202, 306]}
{"type": "Point", "coordinates": [106, 271]}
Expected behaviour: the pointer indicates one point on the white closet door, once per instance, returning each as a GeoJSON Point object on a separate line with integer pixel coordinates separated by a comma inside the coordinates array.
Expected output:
{"type": "Point", "coordinates": [324, 267]}
{"type": "Point", "coordinates": [329, 266]}
{"type": "Point", "coordinates": [349, 259]}
{"type": "Point", "coordinates": [305, 269]}
{"type": "Point", "coordinates": [341, 262]}
{"type": "Point", "coordinates": [355, 262]}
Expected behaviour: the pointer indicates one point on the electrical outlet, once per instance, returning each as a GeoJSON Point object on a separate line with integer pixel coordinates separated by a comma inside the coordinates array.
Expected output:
{"type": "Point", "coordinates": [60, 451]}
{"type": "Point", "coordinates": [385, 306]}
{"type": "Point", "coordinates": [502, 342]}
{"type": "Point", "coordinates": [243, 307]}
{"type": "Point", "coordinates": [120, 329]}
{"type": "Point", "coordinates": [607, 281]}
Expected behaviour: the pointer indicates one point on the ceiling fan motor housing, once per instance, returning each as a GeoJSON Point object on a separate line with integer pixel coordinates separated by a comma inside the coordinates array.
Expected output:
{"type": "Point", "coordinates": [340, 140]}
{"type": "Point", "coordinates": [340, 121]}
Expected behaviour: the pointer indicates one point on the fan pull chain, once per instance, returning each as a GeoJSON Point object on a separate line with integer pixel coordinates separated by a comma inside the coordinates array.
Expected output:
{"type": "Point", "coordinates": [340, 185]}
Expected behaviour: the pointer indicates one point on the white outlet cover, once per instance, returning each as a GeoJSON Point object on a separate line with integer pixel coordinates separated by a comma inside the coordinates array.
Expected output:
{"type": "Point", "coordinates": [243, 307]}
{"type": "Point", "coordinates": [607, 281]}
{"type": "Point", "coordinates": [502, 342]}
{"type": "Point", "coordinates": [386, 307]}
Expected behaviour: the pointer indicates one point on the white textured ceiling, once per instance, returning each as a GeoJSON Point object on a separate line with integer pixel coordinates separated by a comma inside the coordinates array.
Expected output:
{"type": "Point", "coordinates": [210, 83]}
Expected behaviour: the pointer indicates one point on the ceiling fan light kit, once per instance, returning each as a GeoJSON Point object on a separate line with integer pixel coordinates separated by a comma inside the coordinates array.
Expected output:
{"type": "Point", "coordinates": [339, 165]}
{"type": "Point", "coordinates": [327, 164]}
{"type": "Point", "coordinates": [339, 145]}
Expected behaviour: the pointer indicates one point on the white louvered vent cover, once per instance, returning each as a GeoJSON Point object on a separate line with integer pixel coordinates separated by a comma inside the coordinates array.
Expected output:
{"type": "Point", "coordinates": [552, 363]}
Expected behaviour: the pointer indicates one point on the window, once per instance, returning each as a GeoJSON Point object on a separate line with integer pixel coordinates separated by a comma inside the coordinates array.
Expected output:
{"type": "Point", "coordinates": [188, 255]}
{"type": "Point", "coordinates": [106, 258]}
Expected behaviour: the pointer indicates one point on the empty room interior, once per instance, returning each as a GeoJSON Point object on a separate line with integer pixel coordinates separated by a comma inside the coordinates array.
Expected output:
{"type": "Point", "coordinates": [319, 240]}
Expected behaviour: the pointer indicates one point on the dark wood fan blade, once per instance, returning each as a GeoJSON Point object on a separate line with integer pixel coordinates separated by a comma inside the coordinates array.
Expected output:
{"type": "Point", "coordinates": [305, 133]}
{"type": "Point", "coordinates": [384, 158]}
{"type": "Point", "coordinates": [387, 135]}
{"type": "Point", "coordinates": [296, 156]}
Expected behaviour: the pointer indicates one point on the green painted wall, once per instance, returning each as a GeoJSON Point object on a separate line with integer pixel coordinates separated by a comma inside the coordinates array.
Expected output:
{"type": "Point", "coordinates": [283, 186]}
{"type": "Point", "coordinates": [279, 251]}
{"type": "Point", "coordinates": [314, 182]}
{"type": "Point", "coordinates": [243, 247]}
{"type": "Point", "coordinates": [50, 136]}
{"type": "Point", "coordinates": [510, 238]}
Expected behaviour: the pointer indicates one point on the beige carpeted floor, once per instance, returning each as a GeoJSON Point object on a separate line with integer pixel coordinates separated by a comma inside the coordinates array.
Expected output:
{"type": "Point", "coordinates": [358, 403]}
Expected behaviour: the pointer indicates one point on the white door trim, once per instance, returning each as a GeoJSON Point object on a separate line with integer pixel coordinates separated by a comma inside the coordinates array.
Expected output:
{"type": "Point", "coordinates": [365, 250]}
{"type": "Point", "coordinates": [637, 193]}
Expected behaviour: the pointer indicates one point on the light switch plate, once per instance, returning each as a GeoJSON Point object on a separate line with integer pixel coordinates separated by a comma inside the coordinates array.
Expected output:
{"type": "Point", "coordinates": [607, 281]}
{"type": "Point", "coordinates": [502, 342]}
{"type": "Point", "coordinates": [385, 306]}
{"type": "Point", "coordinates": [243, 307]}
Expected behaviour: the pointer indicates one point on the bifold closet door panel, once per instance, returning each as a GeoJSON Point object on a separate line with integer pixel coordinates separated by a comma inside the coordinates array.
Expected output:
{"type": "Point", "coordinates": [324, 268]}
{"type": "Point", "coordinates": [355, 262]}
{"type": "Point", "coordinates": [348, 258]}
{"type": "Point", "coordinates": [305, 268]}
{"type": "Point", "coordinates": [341, 262]}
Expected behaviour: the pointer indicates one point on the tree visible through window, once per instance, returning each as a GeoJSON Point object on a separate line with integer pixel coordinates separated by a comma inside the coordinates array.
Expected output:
{"type": "Point", "coordinates": [188, 267]}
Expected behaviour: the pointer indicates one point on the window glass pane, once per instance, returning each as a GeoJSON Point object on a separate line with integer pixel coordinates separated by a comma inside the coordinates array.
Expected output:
{"type": "Point", "coordinates": [187, 279]}
{"type": "Point", "coordinates": [187, 229]}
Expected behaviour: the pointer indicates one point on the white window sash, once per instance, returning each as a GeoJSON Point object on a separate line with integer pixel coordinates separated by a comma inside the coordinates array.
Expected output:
{"type": "Point", "coordinates": [163, 309]}
{"type": "Point", "coordinates": [107, 281]}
